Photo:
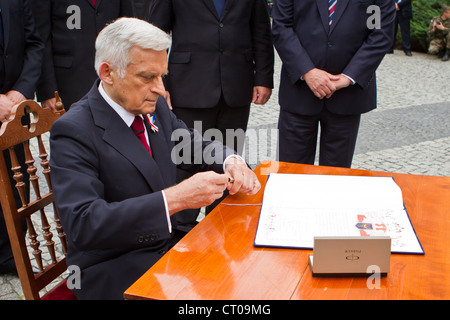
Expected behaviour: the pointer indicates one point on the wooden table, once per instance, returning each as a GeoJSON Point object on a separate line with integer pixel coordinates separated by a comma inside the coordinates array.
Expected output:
{"type": "Point", "coordinates": [217, 259]}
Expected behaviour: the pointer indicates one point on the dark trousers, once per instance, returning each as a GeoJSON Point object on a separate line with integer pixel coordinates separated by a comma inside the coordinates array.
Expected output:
{"type": "Point", "coordinates": [298, 138]}
{"type": "Point", "coordinates": [220, 117]}
{"type": "Point", "coordinates": [404, 24]}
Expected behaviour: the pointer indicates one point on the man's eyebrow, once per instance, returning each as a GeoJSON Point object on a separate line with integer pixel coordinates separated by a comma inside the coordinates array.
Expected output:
{"type": "Point", "coordinates": [150, 74]}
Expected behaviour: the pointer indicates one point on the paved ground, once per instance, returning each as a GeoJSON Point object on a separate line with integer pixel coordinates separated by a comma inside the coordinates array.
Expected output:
{"type": "Point", "coordinates": [408, 133]}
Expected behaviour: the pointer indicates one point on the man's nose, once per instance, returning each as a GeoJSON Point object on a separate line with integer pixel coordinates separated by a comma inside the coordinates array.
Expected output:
{"type": "Point", "coordinates": [159, 87]}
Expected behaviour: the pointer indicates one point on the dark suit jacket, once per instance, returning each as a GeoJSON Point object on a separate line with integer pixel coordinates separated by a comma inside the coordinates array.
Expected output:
{"type": "Point", "coordinates": [21, 51]}
{"type": "Point", "coordinates": [108, 192]}
{"type": "Point", "coordinates": [212, 54]}
{"type": "Point", "coordinates": [69, 53]}
{"type": "Point", "coordinates": [304, 41]}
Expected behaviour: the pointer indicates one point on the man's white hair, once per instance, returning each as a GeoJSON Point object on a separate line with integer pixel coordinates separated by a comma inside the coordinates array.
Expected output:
{"type": "Point", "coordinates": [116, 39]}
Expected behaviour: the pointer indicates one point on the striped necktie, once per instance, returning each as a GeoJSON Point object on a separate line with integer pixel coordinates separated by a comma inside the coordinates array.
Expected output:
{"type": "Point", "coordinates": [331, 7]}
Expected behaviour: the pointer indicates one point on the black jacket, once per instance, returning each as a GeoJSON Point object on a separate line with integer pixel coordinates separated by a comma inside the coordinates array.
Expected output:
{"type": "Point", "coordinates": [70, 51]}
{"type": "Point", "coordinates": [212, 54]}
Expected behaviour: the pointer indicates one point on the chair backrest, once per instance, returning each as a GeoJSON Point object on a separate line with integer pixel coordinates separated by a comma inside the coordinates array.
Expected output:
{"type": "Point", "coordinates": [36, 196]}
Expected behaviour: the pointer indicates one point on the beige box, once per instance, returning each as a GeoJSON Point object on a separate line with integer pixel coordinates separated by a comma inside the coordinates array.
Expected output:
{"type": "Point", "coordinates": [351, 256]}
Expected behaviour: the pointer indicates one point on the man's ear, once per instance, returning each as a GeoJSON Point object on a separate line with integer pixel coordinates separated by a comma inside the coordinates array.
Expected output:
{"type": "Point", "coordinates": [106, 73]}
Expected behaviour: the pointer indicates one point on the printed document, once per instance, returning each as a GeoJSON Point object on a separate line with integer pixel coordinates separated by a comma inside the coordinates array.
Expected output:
{"type": "Point", "coordinates": [298, 207]}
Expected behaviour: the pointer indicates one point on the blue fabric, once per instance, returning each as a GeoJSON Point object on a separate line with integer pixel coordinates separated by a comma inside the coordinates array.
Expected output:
{"type": "Point", "coordinates": [219, 4]}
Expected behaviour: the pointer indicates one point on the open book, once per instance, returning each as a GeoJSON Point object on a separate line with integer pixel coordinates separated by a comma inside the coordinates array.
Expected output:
{"type": "Point", "coordinates": [298, 207]}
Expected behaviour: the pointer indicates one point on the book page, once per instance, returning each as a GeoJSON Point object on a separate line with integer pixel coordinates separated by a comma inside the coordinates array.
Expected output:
{"type": "Point", "coordinates": [298, 207]}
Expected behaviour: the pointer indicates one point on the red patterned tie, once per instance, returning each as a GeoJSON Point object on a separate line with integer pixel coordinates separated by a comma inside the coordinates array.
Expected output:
{"type": "Point", "coordinates": [138, 128]}
{"type": "Point", "coordinates": [94, 2]}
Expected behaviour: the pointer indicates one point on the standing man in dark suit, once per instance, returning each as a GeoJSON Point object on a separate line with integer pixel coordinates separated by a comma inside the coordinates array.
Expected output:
{"type": "Point", "coordinates": [330, 53]}
{"type": "Point", "coordinates": [113, 173]}
{"type": "Point", "coordinates": [402, 19]}
{"type": "Point", "coordinates": [220, 61]}
{"type": "Point", "coordinates": [69, 29]}
{"type": "Point", "coordinates": [21, 54]}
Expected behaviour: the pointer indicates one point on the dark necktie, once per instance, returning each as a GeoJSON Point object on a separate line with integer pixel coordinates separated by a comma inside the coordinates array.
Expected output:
{"type": "Point", "coordinates": [219, 4]}
{"type": "Point", "coordinates": [138, 128]}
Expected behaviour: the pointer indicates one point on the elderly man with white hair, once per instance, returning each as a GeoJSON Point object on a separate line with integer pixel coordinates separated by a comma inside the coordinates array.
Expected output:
{"type": "Point", "coordinates": [113, 166]}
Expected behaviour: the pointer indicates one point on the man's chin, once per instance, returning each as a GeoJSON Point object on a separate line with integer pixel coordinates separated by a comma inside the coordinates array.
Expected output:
{"type": "Point", "coordinates": [148, 107]}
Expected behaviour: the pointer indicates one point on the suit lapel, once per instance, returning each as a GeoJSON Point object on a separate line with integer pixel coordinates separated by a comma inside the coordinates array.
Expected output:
{"type": "Point", "coordinates": [322, 6]}
{"type": "Point", "coordinates": [119, 136]}
{"type": "Point", "coordinates": [158, 144]}
{"type": "Point", "coordinates": [228, 6]}
{"type": "Point", "coordinates": [92, 4]}
{"type": "Point", "coordinates": [211, 7]}
{"type": "Point", "coordinates": [341, 5]}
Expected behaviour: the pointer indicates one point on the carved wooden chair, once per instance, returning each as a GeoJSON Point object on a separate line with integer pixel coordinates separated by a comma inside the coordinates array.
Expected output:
{"type": "Point", "coordinates": [17, 133]}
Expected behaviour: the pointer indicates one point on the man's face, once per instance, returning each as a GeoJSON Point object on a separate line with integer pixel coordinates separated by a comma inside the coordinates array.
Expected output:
{"type": "Point", "coordinates": [138, 91]}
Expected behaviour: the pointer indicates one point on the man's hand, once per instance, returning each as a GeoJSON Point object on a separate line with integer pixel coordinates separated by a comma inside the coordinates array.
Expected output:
{"type": "Point", "coordinates": [320, 82]}
{"type": "Point", "coordinates": [15, 96]}
{"type": "Point", "coordinates": [245, 180]}
{"type": "Point", "coordinates": [261, 94]}
{"type": "Point", "coordinates": [342, 82]}
{"type": "Point", "coordinates": [5, 107]}
{"type": "Point", "coordinates": [49, 103]}
{"type": "Point", "coordinates": [198, 191]}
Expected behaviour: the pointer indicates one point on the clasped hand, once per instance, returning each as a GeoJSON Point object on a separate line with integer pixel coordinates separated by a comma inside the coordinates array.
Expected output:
{"type": "Point", "coordinates": [7, 101]}
{"type": "Point", "coordinates": [324, 84]}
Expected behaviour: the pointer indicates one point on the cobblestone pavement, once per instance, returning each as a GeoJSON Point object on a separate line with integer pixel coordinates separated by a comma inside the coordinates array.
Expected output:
{"type": "Point", "coordinates": [409, 132]}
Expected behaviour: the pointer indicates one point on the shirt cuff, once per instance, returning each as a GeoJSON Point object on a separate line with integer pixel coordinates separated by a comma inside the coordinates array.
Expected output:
{"type": "Point", "coordinates": [349, 78]}
{"type": "Point", "coordinates": [167, 211]}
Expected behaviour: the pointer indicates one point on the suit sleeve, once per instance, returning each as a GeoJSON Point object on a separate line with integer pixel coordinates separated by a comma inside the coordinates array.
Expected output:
{"type": "Point", "coordinates": [262, 45]}
{"type": "Point", "coordinates": [47, 83]}
{"type": "Point", "coordinates": [27, 81]}
{"type": "Point", "coordinates": [91, 222]}
{"type": "Point", "coordinates": [295, 58]}
{"type": "Point", "coordinates": [366, 60]}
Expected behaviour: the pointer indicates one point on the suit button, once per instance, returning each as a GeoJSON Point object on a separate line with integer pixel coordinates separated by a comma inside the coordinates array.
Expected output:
{"type": "Point", "coordinates": [147, 237]}
{"type": "Point", "coordinates": [221, 25]}
{"type": "Point", "coordinates": [153, 237]}
{"type": "Point", "coordinates": [140, 239]}
{"type": "Point", "coordinates": [329, 44]}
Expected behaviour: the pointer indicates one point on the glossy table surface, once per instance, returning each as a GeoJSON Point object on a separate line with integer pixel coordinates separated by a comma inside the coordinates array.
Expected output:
{"type": "Point", "coordinates": [217, 259]}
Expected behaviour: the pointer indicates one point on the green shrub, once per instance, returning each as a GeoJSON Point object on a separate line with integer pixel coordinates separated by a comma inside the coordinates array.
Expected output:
{"type": "Point", "coordinates": [423, 12]}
